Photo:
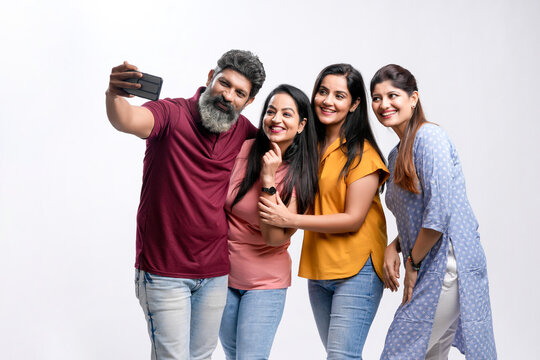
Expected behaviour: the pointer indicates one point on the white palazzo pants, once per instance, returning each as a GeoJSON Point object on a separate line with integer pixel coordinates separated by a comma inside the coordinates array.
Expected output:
{"type": "Point", "coordinates": [447, 314]}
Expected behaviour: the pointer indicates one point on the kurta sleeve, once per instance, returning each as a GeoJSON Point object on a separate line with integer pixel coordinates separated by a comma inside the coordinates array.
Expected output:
{"type": "Point", "coordinates": [432, 153]}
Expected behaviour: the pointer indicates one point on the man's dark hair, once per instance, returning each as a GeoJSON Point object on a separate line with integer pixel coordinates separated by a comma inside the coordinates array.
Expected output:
{"type": "Point", "coordinates": [247, 64]}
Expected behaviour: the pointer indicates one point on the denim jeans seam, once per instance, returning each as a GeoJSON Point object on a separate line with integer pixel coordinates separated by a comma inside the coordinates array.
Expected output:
{"type": "Point", "coordinates": [150, 319]}
{"type": "Point", "coordinates": [198, 284]}
{"type": "Point", "coordinates": [374, 279]}
{"type": "Point", "coordinates": [137, 277]}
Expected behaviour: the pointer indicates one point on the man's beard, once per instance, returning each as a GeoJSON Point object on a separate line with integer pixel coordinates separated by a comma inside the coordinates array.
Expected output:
{"type": "Point", "coordinates": [215, 119]}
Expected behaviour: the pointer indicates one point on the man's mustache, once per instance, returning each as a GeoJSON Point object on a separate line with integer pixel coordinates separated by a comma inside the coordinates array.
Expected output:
{"type": "Point", "coordinates": [221, 100]}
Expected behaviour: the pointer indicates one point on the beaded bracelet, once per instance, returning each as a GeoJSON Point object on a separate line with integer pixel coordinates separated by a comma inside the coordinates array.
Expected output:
{"type": "Point", "coordinates": [414, 266]}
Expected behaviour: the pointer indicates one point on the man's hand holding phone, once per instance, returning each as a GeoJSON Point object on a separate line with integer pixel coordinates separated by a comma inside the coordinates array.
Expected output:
{"type": "Point", "coordinates": [126, 80]}
{"type": "Point", "coordinates": [118, 79]}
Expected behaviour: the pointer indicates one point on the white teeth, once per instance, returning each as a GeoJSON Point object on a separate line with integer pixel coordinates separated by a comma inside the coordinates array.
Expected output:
{"type": "Point", "coordinates": [328, 110]}
{"type": "Point", "coordinates": [389, 113]}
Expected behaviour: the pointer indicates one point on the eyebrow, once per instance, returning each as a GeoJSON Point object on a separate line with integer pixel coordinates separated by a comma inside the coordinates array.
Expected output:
{"type": "Point", "coordinates": [287, 108]}
{"type": "Point", "coordinates": [228, 82]}
{"type": "Point", "coordinates": [388, 92]}
{"type": "Point", "coordinates": [337, 91]}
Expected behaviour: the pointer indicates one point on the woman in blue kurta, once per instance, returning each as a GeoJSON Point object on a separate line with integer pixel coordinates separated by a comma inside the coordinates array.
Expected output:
{"type": "Point", "coordinates": [446, 295]}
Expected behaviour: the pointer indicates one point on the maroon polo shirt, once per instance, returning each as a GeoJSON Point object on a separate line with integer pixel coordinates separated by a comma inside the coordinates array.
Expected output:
{"type": "Point", "coordinates": [181, 224]}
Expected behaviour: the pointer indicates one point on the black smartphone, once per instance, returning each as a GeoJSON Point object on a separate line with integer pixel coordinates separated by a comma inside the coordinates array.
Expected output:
{"type": "Point", "coordinates": [150, 86]}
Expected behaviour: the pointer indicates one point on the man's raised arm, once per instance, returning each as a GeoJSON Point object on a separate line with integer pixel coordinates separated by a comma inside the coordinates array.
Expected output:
{"type": "Point", "coordinates": [125, 117]}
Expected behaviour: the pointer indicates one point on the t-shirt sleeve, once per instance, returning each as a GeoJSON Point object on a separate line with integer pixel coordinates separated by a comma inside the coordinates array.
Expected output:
{"type": "Point", "coordinates": [245, 149]}
{"type": "Point", "coordinates": [161, 109]}
{"type": "Point", "coordinates": [432, 153]}
{"type": "Point", "coordinates": [371, 162]}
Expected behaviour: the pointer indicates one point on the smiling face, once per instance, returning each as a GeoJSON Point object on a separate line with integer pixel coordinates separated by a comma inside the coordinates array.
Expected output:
{"type": "Point", "coordinates": [281, 121]}
{"type": "Point", "coordinates": [333, 101]}
{"type": "Point", "coordinates": [226, 95]}
{"type": "Point", "coordinates": [233, 87]}
{"type": "Point", "coordinates": [393, 106]}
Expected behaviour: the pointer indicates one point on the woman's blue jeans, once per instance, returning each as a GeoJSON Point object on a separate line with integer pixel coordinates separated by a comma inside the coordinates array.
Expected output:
{"type": "Point", "coordinates": [250, 321]}
{"type": "Point", "coordinates": [344, 310]}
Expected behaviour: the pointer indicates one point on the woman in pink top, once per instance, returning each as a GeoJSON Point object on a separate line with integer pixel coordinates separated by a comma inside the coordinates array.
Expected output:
{"type": "Point", "coordinates": [281, 158]}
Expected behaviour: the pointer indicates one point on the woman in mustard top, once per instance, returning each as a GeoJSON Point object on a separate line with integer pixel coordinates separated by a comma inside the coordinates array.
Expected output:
{"type": "Point", "coordinates": [345, 237]}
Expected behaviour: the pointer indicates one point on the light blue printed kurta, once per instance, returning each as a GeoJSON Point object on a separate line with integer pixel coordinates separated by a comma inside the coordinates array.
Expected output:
{"type": "Point", "coordinates": [442, 205]}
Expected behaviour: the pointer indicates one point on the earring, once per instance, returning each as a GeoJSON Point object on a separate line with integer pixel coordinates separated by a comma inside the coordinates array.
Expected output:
{"type": "Point", "coordinates": [413, 106]}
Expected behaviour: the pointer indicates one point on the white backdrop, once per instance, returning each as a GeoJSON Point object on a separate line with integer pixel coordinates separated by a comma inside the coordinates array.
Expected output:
{"type": "Point", "coordinates": [70, 183]}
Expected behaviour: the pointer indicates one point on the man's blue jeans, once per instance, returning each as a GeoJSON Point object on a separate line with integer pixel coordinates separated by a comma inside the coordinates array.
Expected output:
{"type": "Point", "coordinates": [250, 322]}
{"type": "Point", "coordinates": [344, 310]}
{"type": "Point", "coordinates": [183, 315]}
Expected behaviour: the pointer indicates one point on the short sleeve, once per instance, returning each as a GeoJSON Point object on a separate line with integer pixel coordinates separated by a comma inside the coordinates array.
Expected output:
{"type": "Point", "coordinates": [433, 161]}
{"type": "Point", "coordinates": [240, 164]}
{"type": "Point", "coordinates": [161, 109]}
{"type": "Point", "coordinates": [371, 162]}
{"type": "Point", "coordinates": [245, 149]}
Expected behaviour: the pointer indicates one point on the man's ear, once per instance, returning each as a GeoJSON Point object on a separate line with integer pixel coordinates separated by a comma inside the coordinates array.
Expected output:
{"type": "Point", "coordinates": [249, 101]}
{"type": "Point", "coordinates": [210, 76]}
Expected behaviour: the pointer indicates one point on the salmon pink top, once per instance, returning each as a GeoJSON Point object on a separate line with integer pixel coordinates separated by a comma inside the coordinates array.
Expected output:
{"type": "Point", "coordinates": [254, 264]}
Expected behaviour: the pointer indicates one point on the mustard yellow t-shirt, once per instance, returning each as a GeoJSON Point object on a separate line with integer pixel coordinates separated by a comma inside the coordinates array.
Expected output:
{"type": "Point", "coordinates": [337, 256]}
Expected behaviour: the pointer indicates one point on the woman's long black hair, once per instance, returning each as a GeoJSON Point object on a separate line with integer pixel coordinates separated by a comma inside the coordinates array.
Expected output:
{"type": "Point", "coordinates": [301, 156]}
{"type": "Point", "coordinates": [356, 127]}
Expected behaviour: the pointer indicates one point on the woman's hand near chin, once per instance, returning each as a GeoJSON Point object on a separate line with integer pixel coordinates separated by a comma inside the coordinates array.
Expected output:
{"type": "Point", "coordinates": [270, 163]}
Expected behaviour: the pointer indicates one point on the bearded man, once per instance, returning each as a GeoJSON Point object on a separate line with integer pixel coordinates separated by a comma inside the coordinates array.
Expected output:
{"type": "Point", "coordinates": [182, 259]}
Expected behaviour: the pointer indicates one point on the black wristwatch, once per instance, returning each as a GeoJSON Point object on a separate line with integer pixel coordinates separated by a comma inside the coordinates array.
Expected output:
{"type": "Point", "coordinates": [271, 190]}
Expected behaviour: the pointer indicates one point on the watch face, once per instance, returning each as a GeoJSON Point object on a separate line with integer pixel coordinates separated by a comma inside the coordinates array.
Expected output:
{"type": "Point", "coordinates": [270, 190]}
